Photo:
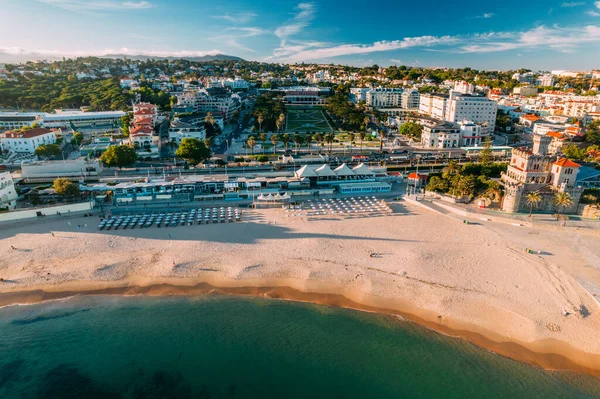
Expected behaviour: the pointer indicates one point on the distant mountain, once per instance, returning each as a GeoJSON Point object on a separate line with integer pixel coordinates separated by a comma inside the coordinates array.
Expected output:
{"type": "Point", "coordinates": [141, 57]}
{"type": "Point", "coordinates": [10, 58]}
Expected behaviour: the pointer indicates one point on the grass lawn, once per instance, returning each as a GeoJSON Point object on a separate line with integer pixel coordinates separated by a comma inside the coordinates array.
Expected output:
{"type": "Point", "coordinates": [307, 120]}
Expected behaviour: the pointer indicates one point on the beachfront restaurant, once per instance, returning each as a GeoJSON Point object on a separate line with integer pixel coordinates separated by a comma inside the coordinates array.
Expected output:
{"type": "Point", "coordinates": [364, 187]}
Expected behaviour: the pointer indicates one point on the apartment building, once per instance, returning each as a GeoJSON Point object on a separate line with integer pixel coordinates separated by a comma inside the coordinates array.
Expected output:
{"type": "Point", "coordinates": [480, 110]}
{"type": "Point", "coordinates": [27, 141]}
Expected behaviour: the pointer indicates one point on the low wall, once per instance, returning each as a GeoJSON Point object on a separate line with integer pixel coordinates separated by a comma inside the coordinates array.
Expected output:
{"type": "Point", "coordinates": [48, 211]}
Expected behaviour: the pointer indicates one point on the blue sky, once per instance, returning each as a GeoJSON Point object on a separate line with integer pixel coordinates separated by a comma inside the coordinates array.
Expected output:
{"type": "Point", "coordinates": [537, 34]}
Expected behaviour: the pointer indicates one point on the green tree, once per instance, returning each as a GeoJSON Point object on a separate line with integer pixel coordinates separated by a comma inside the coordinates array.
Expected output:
{"type": "Point", "coordinates": [208, 142]}
{"type": "Point", "coordinates": [263, 137]}
{"type": "Point", "coordinates": [77, 139]}
{"type": "Point", "coordinates": [125, 122]}
{"type": "Point", "coordinates": [251, 143]}
{"type": "Point", "coordinates": [351, 137]}
{"type": "Point", "coordinates": [260, 119]}
{"type": "Point", "coordinates": [193, 150]}
{"type": "Point", "coordinates": [486, 156]}
{"type": "Point", "coordinates": [362, 136]}
{"type": "Point", "coordinates": [274, 141]}
{"type": "Point", "coordinates": [285, 139]}
{"type": "Point", "coordinates": [366, 122]}
{"type": "Point", "coordinates": [65, 188]}
{"type": "Point", "coordinates": [411, 130]}
{"type": "Point", "coordinates": [48, 150]}
{"type": "Point", "coordinates": [437, 184]}
{"type": "Point", "coordinates": [308, 138]}
{"type": "Point", "coordinates": [575, 153]}
{"type": "Point", "coordinates": [209, 118]}
{"type": "Point", "coordinates": [381, 134]}
{"type": "Point", "coordinates": [280, 122]}
{"type": "Point", "coordinates": [562, 201]}
{"type": "Point", "coordinates": [298, 140]}
{"type": "Point", "coordinates": [329, 139]}
{"type": "Point", "coordinates": [318, 138]}
{"type": "Point", "coordinates": [119, 156]}
{"type": "Point", "coordinates": [533, 200]}
{"type": "Point", "coordinates": [592, 133]}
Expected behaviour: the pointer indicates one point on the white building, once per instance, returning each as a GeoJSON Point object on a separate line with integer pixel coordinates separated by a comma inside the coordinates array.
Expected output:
{"type": "Point", "coordinates": [358, 94]}
{"type": "Point", "coordinates": [433, 104]}
{"type": "Point", "coordinates": [545, 80]}
{"type": "Point", "coordinates": [411, 99]}
{"type": "Point", "coordinates": [464, 87]}
{"type": "Point", "coordinates": [385, 97]}
{"type": "Point", "coordinates": [236, 84]}
{"type": "Point", "coordinates": [579, 109]}
{"type": "Point", "coordinates": [18, 120]}
{"type": "Point", "coordinates": [180, 130]}
{"type": "Point", "coordinates": [440, 134]}
{"type": "Point", "coordinates": [8, 192]}
{"type": "Point", "coordinates": [470, 134]}
{"type": "Point", "coordinates": [64, 119]}
{"type": "Point", "coordinates": [43, 171]}
{"type": "Point", "coordinates": [480, 110]}
{"type": "Point", "coordinates": [28, 140]}
{"type": "Point", "coordinates": [524, 77]}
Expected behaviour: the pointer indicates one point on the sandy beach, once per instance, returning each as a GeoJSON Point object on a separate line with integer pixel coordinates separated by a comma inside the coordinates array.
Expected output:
{"type": "Point", "coordinates": [473, 281]}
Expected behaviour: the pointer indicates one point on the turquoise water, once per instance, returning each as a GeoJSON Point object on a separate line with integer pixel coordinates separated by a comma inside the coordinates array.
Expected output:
{"type": "Point", "coordinates": [231, 347]}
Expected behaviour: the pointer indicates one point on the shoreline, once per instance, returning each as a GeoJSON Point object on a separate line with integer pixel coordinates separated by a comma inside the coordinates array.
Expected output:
{"type": "Point", "coordinates": [471, 281]}
{"type": "Point", "coordinates": [548, 354]}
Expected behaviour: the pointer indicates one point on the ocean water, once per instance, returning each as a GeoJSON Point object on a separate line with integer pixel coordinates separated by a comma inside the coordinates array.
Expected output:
{"type": "Point", "coordinates": [232, 347]}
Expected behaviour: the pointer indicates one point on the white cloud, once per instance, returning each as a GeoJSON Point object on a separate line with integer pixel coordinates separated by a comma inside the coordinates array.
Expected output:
{"type": "Point", "coordinates": [397, 61]}
{"type": "Point", "coordinates": [568, 4]}
{"type": "Point", "coordinates": [241, 18]}
{"type": "Point", "coordinates": [595, 13]}
{"type": "Point", "coordinates": [486, 15]}
{"type": "Point", "coordinates": [305, 15]}
{"type": "Point", "coordinates": [303, 53]}
{"type": "Point", "coordinates": [554, 38]}
{"type": "Point", "coordinates": [124, 50]}
{"type": "Point", "coordinates": [98, 5]}
{"type": "Point", "coordinates": [233, 36]}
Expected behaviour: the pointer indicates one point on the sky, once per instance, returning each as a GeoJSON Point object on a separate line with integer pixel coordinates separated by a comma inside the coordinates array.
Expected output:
{"type": "Point", "coordinates": [535, 34]}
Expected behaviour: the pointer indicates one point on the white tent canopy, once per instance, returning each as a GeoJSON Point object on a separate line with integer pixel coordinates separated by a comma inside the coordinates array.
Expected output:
{"type": "Point", "coordinates": [306, 171]}
{"type": "Point", "coordinates": [325, 171]}
{"type": "Point", "coordinates": [343, 170]}
{"type": "Point", "coordinates": [362, 170]}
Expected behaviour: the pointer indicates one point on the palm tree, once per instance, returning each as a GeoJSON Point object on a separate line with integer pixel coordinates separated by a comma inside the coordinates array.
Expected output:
{"type": "Point", "coordinates": [533, 200]}
{"type": "Point", "coordinates": [366, 122]}
{"type": "Point", "coordinates": [318, 138]}
{"type": "Point", "coordinates": [274, 141]}
{"type": "Point", "coordinates": [298, 140]}
{"type": "Point", "coordinates": [562, 200]}
{"type": "Point", "coordinates": [209, 118]}
{"type": "Point", "coordinates": [285, 139]}
{"type": "Point", "coordinates": [260, 120]}
{"type": "Point", "coordinates": [362, 136]}
{"type": "Point", "coordinates": [208, 142]}
{"type": "Point", "coordinates": [280, 122]}
{"type": "Point", "coordinates": [308, 139]}
{"type": "Point", "coordinates": [251, 143]}
{"type": "Point", "coordinates": [351, 137]}
{"type": "Point", "coordinates": [263, 137]}
{"type": "Point", "coordinates": [381, 135]}
{"type": "Point", "coordinates": [451, 168]}
{"type": "Point", "coordinates": [329, 138]}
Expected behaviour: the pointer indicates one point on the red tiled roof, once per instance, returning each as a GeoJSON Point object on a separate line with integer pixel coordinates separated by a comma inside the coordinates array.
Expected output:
{"type": "Point", "coordinates": [564, 162]}
{"type": "Point", "coordinates": [27, 134]}
{"type": "Point", "coordinates": [556, 135]}
{"type": "Point", "coordinates": [531, 117]}
{"type": "Point", "coordinates": [415, 175]}
{"type": "Point", "coordinates": [141, 129]}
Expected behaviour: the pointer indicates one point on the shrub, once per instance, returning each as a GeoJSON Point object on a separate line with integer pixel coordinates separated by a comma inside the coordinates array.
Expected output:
{"type": "Point", "coordinates": [262, 158]}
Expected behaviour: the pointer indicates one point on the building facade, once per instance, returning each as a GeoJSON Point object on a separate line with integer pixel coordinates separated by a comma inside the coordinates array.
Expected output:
{"type": "Point", "coordinates": [27, 141]}
{"type": "Point", "coordinates": [539, 170]}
